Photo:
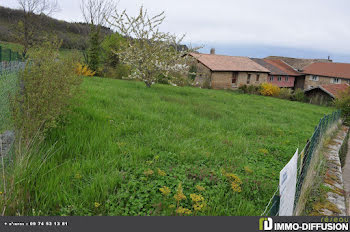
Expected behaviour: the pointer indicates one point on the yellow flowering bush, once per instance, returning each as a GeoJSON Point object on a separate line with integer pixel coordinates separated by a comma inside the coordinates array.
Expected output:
{"type": "Point", "coordinates": [268, 89]}
{"type": "Point", "coordinates": [83, 70]}
{"type": "Point", "coordinates": [165, 190]}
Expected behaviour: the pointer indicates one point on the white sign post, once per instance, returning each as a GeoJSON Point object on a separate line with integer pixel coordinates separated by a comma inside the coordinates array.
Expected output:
{"type": "Point", "coordinates": [288, 181]}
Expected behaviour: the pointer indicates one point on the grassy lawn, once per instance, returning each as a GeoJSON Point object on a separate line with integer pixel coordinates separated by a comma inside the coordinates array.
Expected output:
{"type": "Point", "coordinates": [122, 142]}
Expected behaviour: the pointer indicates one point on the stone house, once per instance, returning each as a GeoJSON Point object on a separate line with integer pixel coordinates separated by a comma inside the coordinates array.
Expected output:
{"type": "Point", "coordinates": [298, 65]}
{"type": "Point", "coordinates": [227, 72]}
{"type": "Point", "coordinates": [281, 74]}
{"type": "Point", "coordinates": [325, 94]}
{"type": "Point", "coordinates": [317, 74]}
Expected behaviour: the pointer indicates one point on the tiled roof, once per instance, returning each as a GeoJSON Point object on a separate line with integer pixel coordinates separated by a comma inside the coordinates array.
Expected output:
{"type": "Point", "coordinates": [296, 63]}
{"type": "Point", "coordinates": [229, 63]}
{"type": "Point", "coordinates": [277, 67]}
{"type": "Point", "coordinates": [340, 70]}
{"type": "Point", "coordinates": [334, 90]}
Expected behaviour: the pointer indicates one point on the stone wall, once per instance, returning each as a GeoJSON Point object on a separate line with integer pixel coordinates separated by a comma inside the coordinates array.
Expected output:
{"type": "Point", "coordinates": [322, 80]}
{"type": "Point", "coordinates": [223, 80]}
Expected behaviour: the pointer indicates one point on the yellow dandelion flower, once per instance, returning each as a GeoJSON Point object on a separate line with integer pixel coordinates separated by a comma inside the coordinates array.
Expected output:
{"type": "Point", "coordinates": [149, 172]}
{"type": "Point", "coordinates": [196, 198]}
{"type": "Point", "coordinates": [161, 172]}
{"type": "Point", "coordinates": [200, 188]}
{"type": "Point", "coordinates": [97, 204]}
{"type": "Point", "coordinates": [235, 187]}
{"type": "Point", "coordinates": [171, 206]}
{"type": "Point", "coordinates": [165, 190]}
{"type": "Point", "coordinates": [1, 193]}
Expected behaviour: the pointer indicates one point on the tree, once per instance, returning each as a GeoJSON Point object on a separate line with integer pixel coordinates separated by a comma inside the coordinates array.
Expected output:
{"type": "Point", "coordinates": [96, 13]}
{"type": "Point", "coordinates": [28, 26]}
{"type": "Point", "coordinates": [149, 52]}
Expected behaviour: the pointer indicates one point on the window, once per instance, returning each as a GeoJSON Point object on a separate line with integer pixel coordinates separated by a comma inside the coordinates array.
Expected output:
{"type": "Point", "coordinates": [348, 81]}
{"type": "Point", "coordinates": [287, 78]}
{"type": "Point", "coordinates": [279, 78]}
{"type": "Point", "coordinates": [248, 78]}
{"type": "Point", "coordinates": [234, 78]}
{"type": "Point", "coordinates": [271, 78]}
{"type": "Point", "coordinates": [257, 77]}
{"type": "Point", "coordinates": [314, 78]}
{"type": "Point", "coordinates": [336, 81]}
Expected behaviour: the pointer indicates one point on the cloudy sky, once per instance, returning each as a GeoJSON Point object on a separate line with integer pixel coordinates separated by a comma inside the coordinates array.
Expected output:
{"type": "Point", "coordinates": [255, 28]}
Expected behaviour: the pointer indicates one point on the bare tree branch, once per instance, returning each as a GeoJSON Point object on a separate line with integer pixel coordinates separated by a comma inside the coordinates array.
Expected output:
{"type": "Point", "coordinates": [97, 12]}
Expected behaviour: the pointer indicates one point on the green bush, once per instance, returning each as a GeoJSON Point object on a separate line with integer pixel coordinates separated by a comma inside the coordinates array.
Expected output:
{"type": "Point", "coordinates": [299, 95]}
{"type": "Point", "coordinates": [48, 82]}
{"type": "Point", "coordinates": [343, 103]}
{"type": "Point", "coordinates": [285, 94]}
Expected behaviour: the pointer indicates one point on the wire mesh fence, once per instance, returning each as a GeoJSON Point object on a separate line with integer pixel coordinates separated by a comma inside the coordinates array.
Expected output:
{"type": "Point", "coordinates": [9, 55]}
{"type": "Point", "coordinates": [305, 157]}
{"type": "Point", "coordinates": [8, 87]}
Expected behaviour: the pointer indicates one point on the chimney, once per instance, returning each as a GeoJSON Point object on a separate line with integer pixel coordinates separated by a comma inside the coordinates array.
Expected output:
{"type": "Point", "coordinates": [212, 51]}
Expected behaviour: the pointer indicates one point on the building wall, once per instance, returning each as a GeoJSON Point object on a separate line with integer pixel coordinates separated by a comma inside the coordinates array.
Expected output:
{"type": "Point", "coordinates": [283, 83]}
{"type": "Point", "coordinates": [203, 76]}
{"type": "Point", "coordinates": [322, 80]}
{"type": "Point", "coordinates": [318, 97]}
{"type": "Point", "coordinates": [223, 80]}
{"type": "Point", "coordinates": [299, 82]}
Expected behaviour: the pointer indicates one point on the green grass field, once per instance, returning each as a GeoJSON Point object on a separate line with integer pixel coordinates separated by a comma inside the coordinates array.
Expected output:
{"type": "Point", "coordinates": [122, 142]}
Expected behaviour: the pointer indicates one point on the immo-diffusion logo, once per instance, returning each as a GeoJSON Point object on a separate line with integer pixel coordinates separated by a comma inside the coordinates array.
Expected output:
{"type": "Point", "coordinates": [265, 224]}
{"type": "Point", "coordinates": [334, 224]}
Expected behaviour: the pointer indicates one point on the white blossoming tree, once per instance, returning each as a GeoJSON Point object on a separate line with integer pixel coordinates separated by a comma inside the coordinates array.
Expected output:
{"type": "Point", "coordinates": [150, 53]}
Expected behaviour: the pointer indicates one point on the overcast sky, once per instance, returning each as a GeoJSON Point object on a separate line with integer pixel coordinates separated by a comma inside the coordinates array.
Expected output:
{"type": "Point", "coordinates": [300, 28]}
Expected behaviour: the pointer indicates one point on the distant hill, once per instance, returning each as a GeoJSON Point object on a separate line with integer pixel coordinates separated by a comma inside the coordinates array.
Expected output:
{"type": "Point", "coordinates": [73, 35]}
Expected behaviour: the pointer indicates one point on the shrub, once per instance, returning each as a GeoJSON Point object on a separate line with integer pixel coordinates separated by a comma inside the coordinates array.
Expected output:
{"type": "Point", "coordinates": [343, 103]}
{"type": "Point", "coordinates": [48, 82]}
{"type": "Point", "coordinates": [285, 94]}
{"type": "Point", "coordinates": [244, 88]}
{"type": "Point", "coordinates": [83, 70]}
{"type": "Point", "coordinates": [268, 89]}
{"type": "Point", "coordinates": [299, 95]}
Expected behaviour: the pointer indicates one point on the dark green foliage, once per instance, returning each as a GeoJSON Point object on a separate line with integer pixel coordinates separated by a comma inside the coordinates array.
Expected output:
{"type": "Point", "coordinates": [111, 45]}
{"type": "Point", "coordinates": [94, 49]}
{"type": "Point", "coordinates": [192, 72]}
{"type": "Point", "coordinates": [250, 89]}
{"type": "Point", "coordinates": [299, 95]}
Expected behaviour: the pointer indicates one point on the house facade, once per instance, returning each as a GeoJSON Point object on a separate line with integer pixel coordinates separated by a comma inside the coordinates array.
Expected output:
{"type": "Point", "coordinates": [281, 74]}
{"type": "Point", "coordinates": [227, 72]}
{"type": "Point", "coordinates": [298, 65]}
{"type": "Point", "coordinates": [318, 74]}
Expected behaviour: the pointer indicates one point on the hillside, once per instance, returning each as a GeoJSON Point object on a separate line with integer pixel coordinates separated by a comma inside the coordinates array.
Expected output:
{"type": "Point", "coordinates": [73, 35]}
{"type": "Point", "coordinates": [122, 143]}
